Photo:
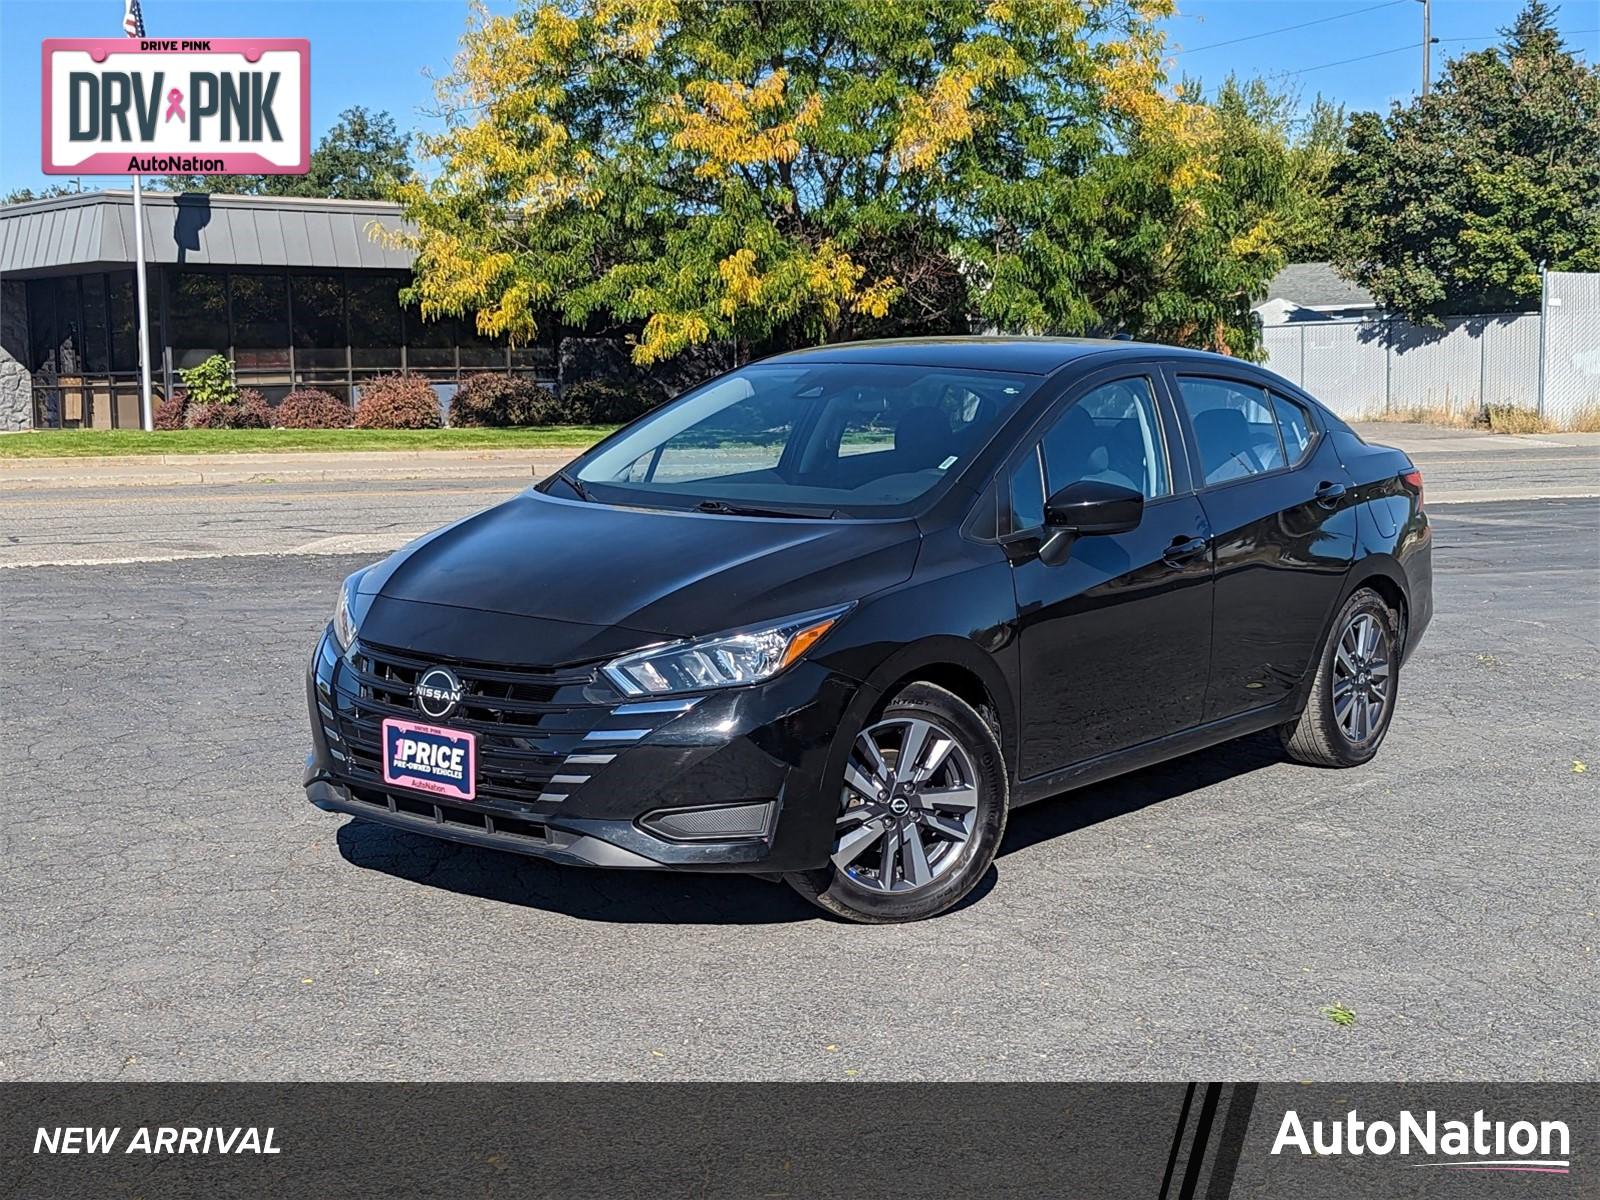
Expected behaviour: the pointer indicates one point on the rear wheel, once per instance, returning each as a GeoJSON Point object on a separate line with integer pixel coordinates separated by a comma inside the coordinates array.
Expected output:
{"type": "Point", "coordinates": [1353, 695]}
{"type": "Point", "coordinates": [921, 813]}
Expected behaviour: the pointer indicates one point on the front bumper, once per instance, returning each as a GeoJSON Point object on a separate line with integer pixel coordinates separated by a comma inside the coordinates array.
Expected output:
{"type": "Point", "coordinates": [575, 783]}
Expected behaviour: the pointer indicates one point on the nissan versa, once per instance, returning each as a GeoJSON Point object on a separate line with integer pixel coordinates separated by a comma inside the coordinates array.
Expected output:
{"type": "Point", "coordinates": [831, 616]}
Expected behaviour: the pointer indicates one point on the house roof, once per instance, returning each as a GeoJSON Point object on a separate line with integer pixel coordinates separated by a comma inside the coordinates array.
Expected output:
{"type": "Point", "coordinates": [1317, 285]}
{"type": "Point", "coordinates": [95, 230]}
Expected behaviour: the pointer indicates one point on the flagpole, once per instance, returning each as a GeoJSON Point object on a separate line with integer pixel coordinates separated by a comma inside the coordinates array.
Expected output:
{"type": "Point", "coordinates": [133, 27]}
{"type": "Point", "coordinates": [146, 414]}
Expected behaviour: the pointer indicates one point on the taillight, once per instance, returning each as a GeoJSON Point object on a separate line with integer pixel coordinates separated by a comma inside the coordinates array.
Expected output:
{"type": "Point", "coordinates": [1413, 480]}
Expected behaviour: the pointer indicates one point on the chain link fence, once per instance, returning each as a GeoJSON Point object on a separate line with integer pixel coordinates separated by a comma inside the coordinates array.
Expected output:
{"type": "Point", "coordinates": [1569, 384]}
{"type": "Point", "coordinates": [1546, 362]}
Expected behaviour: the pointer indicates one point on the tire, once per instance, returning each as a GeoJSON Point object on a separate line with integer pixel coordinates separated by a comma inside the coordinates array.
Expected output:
{"type": "Point", "coordinates": [955, 834]}
{"type": "Point", "coordinates": [1329, 733]}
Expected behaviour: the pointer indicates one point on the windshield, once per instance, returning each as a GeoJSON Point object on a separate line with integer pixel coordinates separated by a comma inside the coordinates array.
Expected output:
{"type": "Point", "coordinates": [856, 439]}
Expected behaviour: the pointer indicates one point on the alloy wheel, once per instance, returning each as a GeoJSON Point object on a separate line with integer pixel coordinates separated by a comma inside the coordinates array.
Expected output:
{"type": "Point", "coordinates": [1361, 679]}
{"type": "Point", "coordinates": [909, 808]}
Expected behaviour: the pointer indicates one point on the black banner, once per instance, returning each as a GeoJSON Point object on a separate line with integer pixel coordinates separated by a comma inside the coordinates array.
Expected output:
{"type": "Point", "coordinates": [662, 1141]}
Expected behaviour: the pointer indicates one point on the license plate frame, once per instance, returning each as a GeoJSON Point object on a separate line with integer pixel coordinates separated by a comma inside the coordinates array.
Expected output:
{"type": "Point", "coordinates": [431, 772]}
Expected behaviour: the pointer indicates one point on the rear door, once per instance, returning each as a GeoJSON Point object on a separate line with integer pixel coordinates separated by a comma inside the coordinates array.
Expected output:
{"type": "Point", "coordinates": [1283, 522]}
{"type": "Point", "coordinates": [1115, 640]}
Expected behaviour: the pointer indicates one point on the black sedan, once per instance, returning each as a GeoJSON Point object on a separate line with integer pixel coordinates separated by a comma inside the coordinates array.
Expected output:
{"type": "Point", "coordinates": [830, 616]}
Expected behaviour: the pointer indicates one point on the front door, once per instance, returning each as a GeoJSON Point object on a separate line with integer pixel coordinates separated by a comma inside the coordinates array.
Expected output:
{"type": "Point", "coordinates": [1115, 641]}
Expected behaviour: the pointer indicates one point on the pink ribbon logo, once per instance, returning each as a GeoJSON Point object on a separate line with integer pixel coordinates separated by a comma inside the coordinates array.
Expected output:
{"type": "Point", "coordinates": [175, 105]}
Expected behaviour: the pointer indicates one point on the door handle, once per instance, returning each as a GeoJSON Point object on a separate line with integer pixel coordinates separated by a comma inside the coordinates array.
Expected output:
{"type": "Point", "coordinates": [1183, 549]}
{"type": "Point", "coordinates": [1329, 494]}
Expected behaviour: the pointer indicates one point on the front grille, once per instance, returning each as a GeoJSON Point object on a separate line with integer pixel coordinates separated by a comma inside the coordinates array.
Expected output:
{"type": "Point", "coordinates": [528, 722]}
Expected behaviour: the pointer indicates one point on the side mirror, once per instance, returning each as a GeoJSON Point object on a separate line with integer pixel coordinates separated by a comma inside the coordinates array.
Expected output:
{"type": "Point", "coordinates": [1091, 506]}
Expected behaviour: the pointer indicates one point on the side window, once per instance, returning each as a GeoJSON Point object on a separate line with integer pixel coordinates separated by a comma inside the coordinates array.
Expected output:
{"type": "Point", "coordinates": [1112, 434]}
{"type": "Point", "coordinates": [1027, 493]}
{"type": "Point", "coordinates": [1234, 428]}
{"type": "Point", "coordinates": [1294, 422]}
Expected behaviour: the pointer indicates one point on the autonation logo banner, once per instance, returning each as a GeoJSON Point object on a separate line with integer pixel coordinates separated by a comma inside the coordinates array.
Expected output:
{"type": "Point", "coordinates": [1423, 1141]}
{"type": "Point", "coordinates": [1478, 1143]}
{"type": "Point", "coordinates": [216, 106]}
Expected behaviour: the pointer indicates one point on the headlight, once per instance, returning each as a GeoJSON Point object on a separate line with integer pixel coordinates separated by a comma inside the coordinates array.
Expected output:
{"type": "Point", "coordinates": [726, 660]}
{"type": "Point", "coordinates": [344, 621]}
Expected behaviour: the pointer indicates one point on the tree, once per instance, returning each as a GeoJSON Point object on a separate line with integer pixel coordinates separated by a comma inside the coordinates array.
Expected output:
{"type": "Point", "coordinates": [1450, 205]}
{"type": "Point", "coordinates": [23, 195]}
{"type": "Point", "coordinates": [361, 158]}
{"type": "Point", "coordinates": [1173, 237]}
{"type": "Point", "coordinates": [1316, 149]}
{"type": "Point", "coordinates": [777, 173]}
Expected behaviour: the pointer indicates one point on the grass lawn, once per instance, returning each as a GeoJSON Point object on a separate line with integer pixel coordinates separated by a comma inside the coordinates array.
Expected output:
{"type": "Point", "coordinates": [90, 443]}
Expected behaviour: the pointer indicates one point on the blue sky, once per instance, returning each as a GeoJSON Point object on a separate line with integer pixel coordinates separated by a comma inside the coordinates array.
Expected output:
{"type": "Point", "coordinates": [376, 52]}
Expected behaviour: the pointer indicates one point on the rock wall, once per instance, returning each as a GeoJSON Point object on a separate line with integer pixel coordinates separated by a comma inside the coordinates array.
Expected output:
{"type": "Point", "coordinates": [16, 382]}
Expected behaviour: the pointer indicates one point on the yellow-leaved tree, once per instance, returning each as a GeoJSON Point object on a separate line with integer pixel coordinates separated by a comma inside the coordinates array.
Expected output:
{"type": "Point", "coordinates": [778, 173]}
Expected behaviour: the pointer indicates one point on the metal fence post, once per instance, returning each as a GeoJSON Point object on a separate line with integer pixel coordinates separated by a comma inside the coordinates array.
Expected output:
{"type": "Point", "coordinates": [1388, 364]}
{"type": "Point", "coordinates": [1544, 323]}
{"type": "Point", "coordinates": [1483, 365]}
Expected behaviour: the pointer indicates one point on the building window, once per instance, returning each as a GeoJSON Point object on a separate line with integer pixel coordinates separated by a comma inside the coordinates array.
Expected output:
{"type": "Point", "coordinates": [198, 311]}
{"type": "Point", "coordinates": [124, 321]}
{"type": "Point", "coordinates": [430, 345]}
{"type": "Point", "coordinates": [96, 348]}
{"type": "Point", "coordinates": [320, 336]}
{"type": "Point", "coordinates": [260, 321]}
{"type": "Point", "coordinates": [376, 330]}
{"type": "Point", "coordinates": [478, 352]}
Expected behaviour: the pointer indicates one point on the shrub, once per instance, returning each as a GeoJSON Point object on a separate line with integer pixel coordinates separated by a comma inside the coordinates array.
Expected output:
{"type": "Point", "coordinates": [252, 411]}
{"type": "Point", "coordinates": [211, 382]}
{"type": "Point", "coordinates": [170, 413]}
{"type": "Point", "coordinates": [1510, 418]}
{"type": "Point", "coordinates": [607, 402]}
{"type": "Point", "coordinates": [397, 402]}
{"type": "Point", "coordinates": [249, 411]}
{"type": "Point", "coordinates": [310, 408]}
{"type": "Point", "coordinates": [206, 416]}
{"type": "Point", "coordinates": [501, 401]}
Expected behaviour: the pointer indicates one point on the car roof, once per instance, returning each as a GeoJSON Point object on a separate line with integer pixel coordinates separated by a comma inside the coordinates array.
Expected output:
{"type": "Point", "coordinates": [1025, 355]}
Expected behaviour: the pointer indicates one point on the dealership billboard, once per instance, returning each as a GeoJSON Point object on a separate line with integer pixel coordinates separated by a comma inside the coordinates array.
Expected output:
{"type": "Point", "coordinates": [155, 106]}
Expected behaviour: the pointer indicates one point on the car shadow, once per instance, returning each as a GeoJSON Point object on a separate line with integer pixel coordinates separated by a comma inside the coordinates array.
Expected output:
{"type": "Point", "coordinates": [681, 898]}
{"type": "Point", "coordinates": [590, 894]}
{"type": "Point", "coordinates": [1082, 807]}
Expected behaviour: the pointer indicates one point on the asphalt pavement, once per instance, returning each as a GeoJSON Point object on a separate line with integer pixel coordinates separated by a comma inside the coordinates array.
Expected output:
{"type": "Point", "coordinates": [175, 910]}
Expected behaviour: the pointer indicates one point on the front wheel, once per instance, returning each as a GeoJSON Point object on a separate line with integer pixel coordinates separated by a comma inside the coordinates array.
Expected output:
{"type": "Point", "coordinates": [1352, 697]}
{"type": "Point", "coordinates": [921, 814]}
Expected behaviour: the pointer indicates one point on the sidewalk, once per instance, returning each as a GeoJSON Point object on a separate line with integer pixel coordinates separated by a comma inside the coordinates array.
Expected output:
{"type": "Point", "coordinates": [154, 470]}
{"type": "Point", "coordinates": [1437, 439]}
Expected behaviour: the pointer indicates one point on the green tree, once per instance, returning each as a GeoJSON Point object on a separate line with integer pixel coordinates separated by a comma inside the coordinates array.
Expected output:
{"type": "Point", "coordinates": [361, 158]}
{"type": "Point", "coordinates": [1450, 204]}
{"type": "Point", "coordinates": [1316, 150]}
{"type": "Point", "coordinates": [1186, 221]}
{"type": "Point", "coordinates": [23, 195]}
{"type": "Point", "coordinates": [775, 173]}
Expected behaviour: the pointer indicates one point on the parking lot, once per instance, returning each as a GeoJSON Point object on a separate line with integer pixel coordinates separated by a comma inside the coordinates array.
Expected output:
{"type": "Point", "coordinates": [175, 910]}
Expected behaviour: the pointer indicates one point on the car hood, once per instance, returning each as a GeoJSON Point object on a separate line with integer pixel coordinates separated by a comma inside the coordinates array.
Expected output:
{"type": "Point", "coordinates": [656, 573]}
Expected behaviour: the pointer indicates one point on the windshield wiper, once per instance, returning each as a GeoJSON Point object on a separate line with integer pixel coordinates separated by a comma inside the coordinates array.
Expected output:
{"type": "Point", "coordinates": [723, 508]}
{"type": "Point", "coordinates": [571, 480]}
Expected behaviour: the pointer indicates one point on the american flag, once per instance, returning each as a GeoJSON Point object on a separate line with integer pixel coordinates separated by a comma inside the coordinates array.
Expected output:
{"type": "Point", "coordinates": [133, 20]}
